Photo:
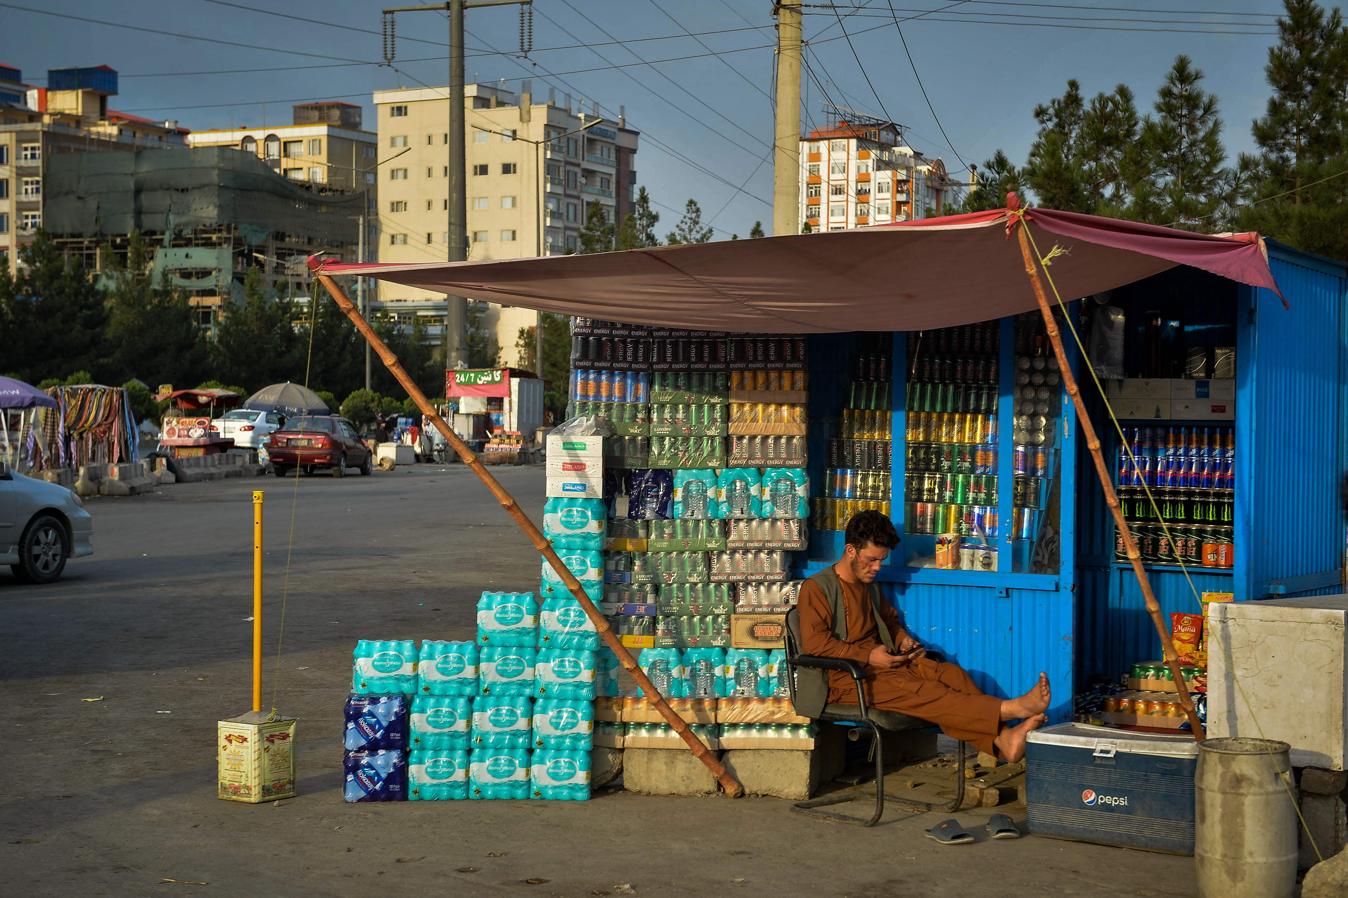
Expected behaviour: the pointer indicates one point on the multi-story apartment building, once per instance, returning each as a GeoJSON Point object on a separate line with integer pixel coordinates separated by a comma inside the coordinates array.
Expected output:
{"type": "Point", "coordinates": [860, 173]}
{"type": "Point", "coordinates": [69, 115]}
{"type": "Point", "coordinates": [533, 171]}
{"type": "Point", "coordinates": [324, 146]}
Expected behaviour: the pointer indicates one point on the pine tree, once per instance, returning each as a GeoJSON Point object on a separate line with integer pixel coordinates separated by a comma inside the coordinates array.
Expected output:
{"type": "Point", "coordinates": [690, 229]}
{"type": "Point", "coordinates": [999, 177]}
{"type": "Point", "coordinates": [1184, 146]}
{"type": "Point", "coordinates": [756, 230]}
{"type": "Point", "coordinates": [1053, 170]}
{"type": "Point", "coordinates": [151, 332]}
{"type": "Point", "coordinates": [638, 227]}
{"type": "Point", "coordinates": [598, 234]}
{"type": "Point", "coordinates": [52, 314]}
{"type": "Point", "coordinates": [257, 343]}
{"type": "Point", "coordinates": [1112, 165]}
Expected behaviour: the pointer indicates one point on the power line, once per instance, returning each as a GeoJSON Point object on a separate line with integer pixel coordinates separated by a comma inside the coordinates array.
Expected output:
{"type": "Point", "coordinates": [1276, 196]}
{"type": "Point", "coordinates": [1195, 12]}
{"type": "Point", "coordinates": [703, 44]}
{"type": "Point", "coordinates": [860, 65]}
{"type": "Point", "coordinates": [966, 19]}
{"type": "Point", "coordinates": [1129, 19]}
{"type": "Point", "coordinates": [904, 41]}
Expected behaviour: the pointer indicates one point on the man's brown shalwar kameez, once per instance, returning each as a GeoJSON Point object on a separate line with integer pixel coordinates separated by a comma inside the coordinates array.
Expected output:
{"type": "Point", "coordinates": [931, 690]}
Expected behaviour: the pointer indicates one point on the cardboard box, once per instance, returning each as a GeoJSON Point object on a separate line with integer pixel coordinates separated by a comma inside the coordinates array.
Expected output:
{"type": "Point", "coordinates": [578, 447]}
{"type": "Point", "coordinates": [1157, 685]}
{"type": "Point", "coordinates": [1203, 410]}
{"type": "Point", "coordinates": [256, 758]}
{"type": "Point", "coordinates": [1139, 388]}
{"type": "Point", "coordinates": [750, 429]}
{"type": "Point", "coordinates": [638, 642]}
{"type": "Point", "coordinates": [567, 467]}
{"type": "Point", "coordinates": [583, 486]}
{"type": "Point", "coordinates": [608, 709]}
{"type": "Point", "coordinates": [1129, 408]}
{"type": "Point", "coordinates": [758, 710]}
{"type": "Point", "coordinates": [692, 710]}
{"type": "Point", "coordinates": [609, 736]}
{"type": "Point", "coordinates": [757, 631]}
{"type": "Point", "coordinates": [1217, 390]}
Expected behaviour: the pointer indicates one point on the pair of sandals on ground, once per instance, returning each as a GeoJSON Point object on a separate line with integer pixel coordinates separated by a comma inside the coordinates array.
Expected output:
{"type": "Point", "coordinates": [950, 832]}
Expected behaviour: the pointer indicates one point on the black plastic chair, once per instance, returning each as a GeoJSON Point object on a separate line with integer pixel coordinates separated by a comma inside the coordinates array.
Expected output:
{"type": "Point", "coordinates": [859, 715]}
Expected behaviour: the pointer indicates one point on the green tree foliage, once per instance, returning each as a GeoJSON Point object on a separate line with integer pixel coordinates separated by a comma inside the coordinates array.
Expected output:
{"type": "Point", "coordinates": [690, 228]}
{"type": "Point", "coordinates": [556, 367]}
{"type": "Point", "coordinates": [598, 234]}
{"type": "Point", "coordinates": [151, 332]}
{"type": "Point", "coordinates": [361, 407]}
{"type": "Point", "coordinates": [756, 230]}
{"type": "Point", "coordinates": [141, 400]}
{"type": "Point", "coordinates": [999, 177]}
{"type": "Point", "coordinates": [256, 343]}
{"type": "Point", "coordinates": [51, 315]}
{"type": "Point", "coordinates": [638, 227]}
{"type": "Point", "coordinates": [1183, 144]}
{"type": "Point", "coordinates": [481, 349]}
{"type": "Point", "coordinates": [1295, 187]}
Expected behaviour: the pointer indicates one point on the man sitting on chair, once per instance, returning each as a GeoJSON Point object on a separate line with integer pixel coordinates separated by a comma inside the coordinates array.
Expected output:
{"type": "Point", "coordinates": [899, 676]}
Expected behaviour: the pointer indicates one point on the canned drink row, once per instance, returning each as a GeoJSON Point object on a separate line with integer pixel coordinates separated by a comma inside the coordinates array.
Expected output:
{"type": "Point", "coordinates": [767, 451]}
{"type": "Point", "coordinates": [783, 531]}
{"type": "Point", "coordinates": [1210, 547]}
{"type": "Point", "coordinates": [688, 415]}
{"type": "Point", "coordinates": [706, 385]}
{"type": "Point", "coordinates": [612, 352]}
{"type": "Point", "coordinates": [685, 564]}
{"type": "Point", "coordinates": [866, 424]}
{"type": "Point", "coordinates": [953, 489]}
{"type": "Point", "coordinates": [748, 563]}
{"type": "Point", "coordinates": [1159, 671]}
{"type": "Point", "coordinates": [1027, 492]}
{"type": "Point", "coordinates": [951, 427]}
{"type": "Point", "coordinates": [854, 483]}
{"type": "Point", "coordinates": [611, 386]}
{"type": "Point", "coordinates": [871, 455]}
{"type": "Point", "coordinates": [966, 339]}
{"type": "Point", "coordinates": [1178, 471]}
{"type": "Point", "coordinates": [767, 351]}
{"type": "Point", "coordinates": [872, 365]}
{"type": "Point", "coordinates": [951, 458]}
{"type": "Point", "coordinates": [772, 381]}
{"type": "Point", "coordinates": [833, 514]}
{"type": "Point", "coordinates": [1144, 707]}
{"type": "Point", "coordinates": [869, 395]}
{"type": "Point", "coordinates": [696, 598]}
{"type": "Point", "coordinates": [926, 397]}
{"type": "Point", "coordinates": [767, 413]}
{"type": "Point", "coordinates": [965, 370]}
{"type": "Point", "coordinates": [964, 520]}
{"type": "Point", "coordinates": [627, 451]}
{"type": "Point", "coordinates": [689, 630]}
{"type": "Point", "coordinates": [1178, 506]}
{"type": "Point", "coordinates": [688, 452]}
{"type": "Point", "coordinates": [687, 528]}
{"type": "Point", "coordinates": [619, 413]}
{"type": "Point", "coordinates": [685, 351]}
{"type": "Point", "coordinates": [1030, 461]}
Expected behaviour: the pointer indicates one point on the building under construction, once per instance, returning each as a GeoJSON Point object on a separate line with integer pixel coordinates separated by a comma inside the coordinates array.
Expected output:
{"type": "Point", "coordinates": [212, 216]}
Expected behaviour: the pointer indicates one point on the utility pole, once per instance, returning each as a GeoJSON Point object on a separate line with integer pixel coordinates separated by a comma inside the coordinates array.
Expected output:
{"type": "Point", "coordinates": [786, 147]}
{"type": "Point", "coordinates": [458, 200]}
{"type": "Point", "coordinates": [360, 283]}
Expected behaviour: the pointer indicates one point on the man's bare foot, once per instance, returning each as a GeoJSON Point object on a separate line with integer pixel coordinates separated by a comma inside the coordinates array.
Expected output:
{"type": "Point", "coordinates": [1036, 701]}
{"type": "Point", "coordinates": [1010, 742]}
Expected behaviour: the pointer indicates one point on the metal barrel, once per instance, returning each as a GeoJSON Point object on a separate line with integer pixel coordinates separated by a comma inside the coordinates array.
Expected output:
{"type": "Point", "coordinates": [1245, 837]}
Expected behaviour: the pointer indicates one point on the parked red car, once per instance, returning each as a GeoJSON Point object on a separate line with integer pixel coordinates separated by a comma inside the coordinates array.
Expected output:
{"type": "Point", "coordinates": [317, 441]}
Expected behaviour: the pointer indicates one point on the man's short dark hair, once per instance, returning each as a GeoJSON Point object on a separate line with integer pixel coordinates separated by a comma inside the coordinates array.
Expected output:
{"type": "Point", "coordinates": [871, 528]}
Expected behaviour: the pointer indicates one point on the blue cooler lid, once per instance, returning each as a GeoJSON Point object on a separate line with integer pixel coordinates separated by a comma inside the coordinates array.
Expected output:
{"type": "Point", "coordinates": [1100, 739]}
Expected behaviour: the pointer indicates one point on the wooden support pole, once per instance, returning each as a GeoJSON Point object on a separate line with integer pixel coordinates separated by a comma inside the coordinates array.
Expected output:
{"type": "Point", "coordinates": [1106, 483]}
{"type": "Point", "coordinates": [727, 780]}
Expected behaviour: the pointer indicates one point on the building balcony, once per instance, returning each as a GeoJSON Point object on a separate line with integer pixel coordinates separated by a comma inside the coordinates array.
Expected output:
{"type": "Point", "coordinates": [597, 191]}
{"type": "Point", "coordinates": [900, 196]}
{"type": "Point", "coordinates": [601, 161]}
{"type": "Point", "coordinates": [863, 219]}
{"type": "Point", "coordinates": [863, 177]}
{"type": "Point", "coordinates": [814, 157]}
{"type": "Point", "coordinates": [813, 179]}
{"type": "Point", "coordinates": [863, 154]}
{"type": "Point", "coordinates": [555, 185]}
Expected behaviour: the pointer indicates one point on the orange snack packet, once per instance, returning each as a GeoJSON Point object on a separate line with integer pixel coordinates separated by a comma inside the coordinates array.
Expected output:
{"type": "Point", "coordinates": [1186, 631]}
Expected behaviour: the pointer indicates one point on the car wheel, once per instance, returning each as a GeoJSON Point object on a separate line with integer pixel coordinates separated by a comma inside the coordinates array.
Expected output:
{"type": "Point", "coordinates": [280, 470]}
{"type": "Point", "coordinates": [365, 466]}
{"type": "Point", "coordinates": [339, 469]}
{"type": "Point", "coordinates": [43, 550]}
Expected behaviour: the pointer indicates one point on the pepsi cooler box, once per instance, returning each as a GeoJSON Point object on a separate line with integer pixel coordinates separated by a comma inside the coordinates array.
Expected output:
{"type": "Point", "coordinates": [1112, 787]}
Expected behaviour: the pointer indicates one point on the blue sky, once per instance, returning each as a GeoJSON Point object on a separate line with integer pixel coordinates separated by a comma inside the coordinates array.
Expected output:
{"type": "Point", "coordinates": [985, 65]}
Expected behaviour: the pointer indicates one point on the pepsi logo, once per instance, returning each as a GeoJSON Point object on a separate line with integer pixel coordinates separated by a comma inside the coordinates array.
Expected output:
{"type": "Point", "coordinates": [1088, 797]}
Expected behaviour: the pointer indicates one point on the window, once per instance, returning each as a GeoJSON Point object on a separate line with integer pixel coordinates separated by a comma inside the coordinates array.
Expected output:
{"type": "Point", "coordinates": [398, 141]}
{"type": "Point", "coordinates": [572, 179]}
{"type": "Point", "coordinates": [481, 169]}
{"type": "Point", "coordinates": [837, 210]}
{"type": "Point", "coordinates": [508, 202]}
{"type": "Point", "coordinates": [605, 182]}
{"type": "Point", "coordinates": [316, 174]}
{"type": "Point", "coordinates": [837, 146]}
{"type": "Point", "coordinates": [397, 111]}
{"type": "Point", "coordinates": [837, 190]}
{"type": "Point", "coordinates": [444, 138]}
{"type": "Point", "coordinates": [30, 152]}
{"type": "Point", "coordinates": [572, 147]}
{"type": "Point", "coordinates": [397, 174]}
{"type": "Point", "coordinates": [444, 205]}
{"type": "Point", "coordinates": [31, 188]}
{"type": "Point", "coordinates": [813, 169]}
{"type": "Point", "coordinates": [882, 210]}
{"type": "Point", "coordinates": [428, 237]}
{"type": "Point", "coordinates": [271, 147]}
{"type": "Point", "coordinates": [480, 202]}
{"type": "Point", "coordinates": [4, 188]}
{"type": "Point", "coordinates": [428, 205]}
{"type": "Point", "coordinates": [292, 149]}
{"type": "Point", "coordinates": [572, 243]}
{"type": "Point", "coordinates": [813, 189]}
{"type": "Point", "coordinates": [882, 188]}
{"type": "Point", "coordinates": [572, 214]}
{"type": "Point", "coordinates": [248, 145]}
{"type": "Point", "coordinates": [398, 206]}
{"type": "Point", "coordinates": [507, 168]}
{"type": "Point", "coordinates": [837, 169]}
{"type": "Point", "coordinates": [445, 172]}
{"type": "Point", "coordinates": [507, 135]}
{"type": "Point", "coordinates": [315, 147]}
{"type": "Point", "coordinates": [480, 136]}
{"type": "Point", "coordinates": [430, 171]}
{"type": "Point", "coordinates": [30, 221]}
{"type": "Point", "coordinates": [429, 139]}
{"type": "Point", "coordinates": [864, 167]}
{"type": "Point", "coordinates": [4, 224]}
{"type": "Point", "coordinates": [397, 239]}
{"type": "Point", "coordinates": [479, 236]}
{"type": "Point", "coordinates": [294, 174]}
{"type": "Point", "coordinates": [508, 235]}
{"type": "Point", "coordinates": [863, 210]}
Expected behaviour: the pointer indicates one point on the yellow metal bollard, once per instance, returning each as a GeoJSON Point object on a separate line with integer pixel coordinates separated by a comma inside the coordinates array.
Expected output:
{"type": "Point", "coordinates": [255, 751]}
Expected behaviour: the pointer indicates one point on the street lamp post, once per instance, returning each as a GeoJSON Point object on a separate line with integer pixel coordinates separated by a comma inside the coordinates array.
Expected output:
{"type": "Point", "coordinates": [539, 210]}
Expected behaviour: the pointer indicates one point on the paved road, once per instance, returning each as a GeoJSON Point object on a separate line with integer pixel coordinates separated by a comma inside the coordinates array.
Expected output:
{"type": "Point", "coordinates": [115, 796]}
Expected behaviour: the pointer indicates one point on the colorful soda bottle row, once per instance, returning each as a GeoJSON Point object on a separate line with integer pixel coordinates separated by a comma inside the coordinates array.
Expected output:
{"type": "Point", "coordinates": [833, 514]}
{"type": "Point", "coordinates": [964, 520]}
{"type": "Point", "coordinates": [951, 427]}
{"type": "Point", "coordinates": [611, 386]}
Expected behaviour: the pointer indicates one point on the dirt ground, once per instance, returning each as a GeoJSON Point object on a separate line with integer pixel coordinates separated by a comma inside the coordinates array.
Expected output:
{"type": "Point", "coordinates": [116, 796]}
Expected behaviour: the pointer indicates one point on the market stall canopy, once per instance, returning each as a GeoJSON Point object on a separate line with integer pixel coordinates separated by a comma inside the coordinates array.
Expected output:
{"type": "Point", "coordinates": [287, 399]}
{"type": "Point", "coordinates": [15, 394]}
{"type": "Point", "coordinates": [208, 397]}
{"type": "Point", "coordinates": [936, 272]}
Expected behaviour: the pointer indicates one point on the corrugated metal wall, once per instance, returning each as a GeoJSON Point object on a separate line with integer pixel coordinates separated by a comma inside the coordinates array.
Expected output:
{"type": "Point", "coordinates": [1290, 428]}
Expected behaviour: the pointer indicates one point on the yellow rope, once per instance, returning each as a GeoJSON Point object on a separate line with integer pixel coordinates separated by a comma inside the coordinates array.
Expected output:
{"type": "Point", "coordinates": [1284, 776]}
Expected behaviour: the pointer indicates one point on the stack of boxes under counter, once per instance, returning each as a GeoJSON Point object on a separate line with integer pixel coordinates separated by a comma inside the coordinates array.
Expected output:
{"type": "Point", "coordinates": [704, 496]}
{"type": "Point", "coordinates": [508, 716]}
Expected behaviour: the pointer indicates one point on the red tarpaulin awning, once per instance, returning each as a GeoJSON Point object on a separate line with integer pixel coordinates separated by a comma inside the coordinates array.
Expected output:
{"type": "Point", "coordinates": [935, 272]}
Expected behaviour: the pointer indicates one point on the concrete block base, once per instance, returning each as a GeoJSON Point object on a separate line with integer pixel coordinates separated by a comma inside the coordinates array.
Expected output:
{"type": "Point", "coordinates": [606, 765]}
{"type": "Point", "coordinates": [1327, 820]}
{"type": "Point", "coordinates": [789, 773]}
{"type": "Point", "coordinates": [665, 771]}
{"type": "Point", "coordinates": [1318, 781]}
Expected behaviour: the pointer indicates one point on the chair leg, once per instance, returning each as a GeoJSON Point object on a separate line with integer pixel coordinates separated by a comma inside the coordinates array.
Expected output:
{"type": "Point", "coordinates": [960, 754]}
{"type": "Point", "coordinates": [878, 746]}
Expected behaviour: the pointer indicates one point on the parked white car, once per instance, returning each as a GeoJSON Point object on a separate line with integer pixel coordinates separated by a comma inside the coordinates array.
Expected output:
{"type": "Point", "coordinates": [42, 525]}
{"type": "Point", "coordinates": [248, 429]}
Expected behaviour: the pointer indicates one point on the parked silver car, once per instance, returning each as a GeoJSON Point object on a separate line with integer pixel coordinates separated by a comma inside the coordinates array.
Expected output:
{"type": "Point", "coordinates": [42, 525]}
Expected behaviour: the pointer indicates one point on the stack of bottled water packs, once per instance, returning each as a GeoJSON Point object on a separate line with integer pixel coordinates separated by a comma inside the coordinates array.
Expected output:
{"type": "Point", "coordinates": [507, 716]}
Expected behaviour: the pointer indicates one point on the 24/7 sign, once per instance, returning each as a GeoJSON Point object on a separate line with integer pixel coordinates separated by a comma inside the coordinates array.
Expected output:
{"type": "Point", "coordinates": [485, 382]}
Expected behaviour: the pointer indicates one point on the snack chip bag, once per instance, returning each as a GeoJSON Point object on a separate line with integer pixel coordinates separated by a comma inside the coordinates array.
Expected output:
{"type": "Point", "coordinates": [1186, 631]}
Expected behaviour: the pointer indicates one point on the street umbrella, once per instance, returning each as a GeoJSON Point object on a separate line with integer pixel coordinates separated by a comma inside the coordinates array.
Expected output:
{"type": "Point", "coordinates": [287, 399]}
{"type": "Point", "coordinates": [17, 394]}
